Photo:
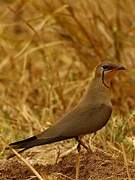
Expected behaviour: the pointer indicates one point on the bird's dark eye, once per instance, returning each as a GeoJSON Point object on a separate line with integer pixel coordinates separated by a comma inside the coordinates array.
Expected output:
{"type": "Point", "coordinates": [107, 67]}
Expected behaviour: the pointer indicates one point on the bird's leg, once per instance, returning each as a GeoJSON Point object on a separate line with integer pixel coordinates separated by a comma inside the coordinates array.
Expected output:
{"type": "Point", "coordinates": [81, 142]}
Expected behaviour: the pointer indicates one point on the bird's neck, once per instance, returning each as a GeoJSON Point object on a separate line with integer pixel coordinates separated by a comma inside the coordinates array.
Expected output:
{"type": "Point", "coordinates": [97, 93]}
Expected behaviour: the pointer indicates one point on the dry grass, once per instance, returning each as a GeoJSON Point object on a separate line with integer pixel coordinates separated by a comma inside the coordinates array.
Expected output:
{"type": "Point", "coordinates": [48, 49]}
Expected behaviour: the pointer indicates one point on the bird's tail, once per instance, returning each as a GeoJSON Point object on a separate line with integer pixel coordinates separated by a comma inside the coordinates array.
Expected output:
{"type": "Point", "coordinates": [26, 143]}
{"type": "Point", "coordinates": [33, 141]}
{"type": "Point", "coordinates": [23, 145]}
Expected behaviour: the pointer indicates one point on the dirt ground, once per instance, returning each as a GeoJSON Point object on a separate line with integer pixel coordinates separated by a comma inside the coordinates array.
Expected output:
{"type": "Point", "coordinates": [98, 165]}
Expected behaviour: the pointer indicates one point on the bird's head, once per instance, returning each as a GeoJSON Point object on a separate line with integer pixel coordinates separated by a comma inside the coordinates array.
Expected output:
{"type": "Point", "coordinates": [106, 71]}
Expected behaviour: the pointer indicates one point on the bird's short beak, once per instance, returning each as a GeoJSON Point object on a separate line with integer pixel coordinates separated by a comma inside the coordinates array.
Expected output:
{"type": "Point", "coordinates": [119, 67]}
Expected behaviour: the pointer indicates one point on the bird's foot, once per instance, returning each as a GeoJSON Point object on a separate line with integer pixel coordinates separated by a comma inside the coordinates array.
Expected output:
{"type": "Point", "coordinates": [82, 143]}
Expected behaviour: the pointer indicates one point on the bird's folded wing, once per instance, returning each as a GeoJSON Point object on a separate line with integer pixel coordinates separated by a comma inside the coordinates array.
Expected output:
{"type": "Point", "coordinates": [80, 121]}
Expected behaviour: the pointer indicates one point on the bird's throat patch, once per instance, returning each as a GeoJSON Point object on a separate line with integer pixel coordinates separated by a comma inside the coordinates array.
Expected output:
{"type": "Point", "coordinates": [109, 76]}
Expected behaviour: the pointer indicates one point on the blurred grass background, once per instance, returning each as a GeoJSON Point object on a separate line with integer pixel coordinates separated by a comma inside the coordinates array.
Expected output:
{"type": "Point", "coordinates": [48, 50]}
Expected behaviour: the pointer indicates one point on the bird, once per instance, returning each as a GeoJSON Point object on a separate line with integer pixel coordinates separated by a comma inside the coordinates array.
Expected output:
{"type": "Point", "coordinates": [90, 115]}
